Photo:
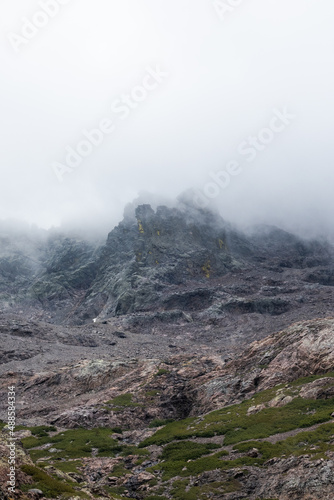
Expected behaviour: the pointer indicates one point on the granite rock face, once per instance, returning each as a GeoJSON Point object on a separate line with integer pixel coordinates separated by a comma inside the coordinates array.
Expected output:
{"type": "Point", "coordinates": [157, 265]}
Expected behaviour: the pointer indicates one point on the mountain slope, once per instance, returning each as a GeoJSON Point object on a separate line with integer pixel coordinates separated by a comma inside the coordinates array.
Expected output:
{"type": "Point", "coordinates": [185, 428]}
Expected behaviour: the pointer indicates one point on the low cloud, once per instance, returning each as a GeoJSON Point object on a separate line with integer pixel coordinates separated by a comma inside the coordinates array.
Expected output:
{"type": "Point", "coordinates": [209, 126]}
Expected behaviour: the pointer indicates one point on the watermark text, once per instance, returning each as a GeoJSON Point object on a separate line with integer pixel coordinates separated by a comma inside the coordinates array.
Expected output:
{"type": "Point", "coordinates": [11, 412]}
{"type": "Point", "coordinates": [250, 148]}
{"type": "Point", "coordinates": [121, 108]}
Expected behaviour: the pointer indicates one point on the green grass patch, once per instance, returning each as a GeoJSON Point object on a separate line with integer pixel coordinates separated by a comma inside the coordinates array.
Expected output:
{"type": "Point", "coordinates": [40, 454]}
{"type": "Point", "coordinates": [234, 423]}
{"type": "Point", "coordinates": [51, 487]}
{"type": "Point", "coordinates": [117, 430]}
{"type": "Point", "coordinates": [182, 491]}
{"type": "Point", "coordinates": [42, 430]}
{"type": "Point", "coordinates": [179, 491]}
{"type": "Point", "coordinates": [68, 466]}
{"type": "Point", "coordinates": [178, 429]}
{"type": "Point", "coordinates": [311, 378]}
{"type": "Point", "coordinates": [123, 401]}
{"type": "Point", "coordinates": [161, 371]}
{"type": "Point", "coordinates": [231, 486]}
{"type": "Point", "coordinates": [75, 443]}
{"type": "Point", "coordinates": [152, 394]}
{"type": "Point", "coordinates": [183, 468]}
{"type": "Point", "coordinates": [119, 471]}
{"type": "Point", "coordinates": [156, 497]}
{"type": "Point", "coordinates": [187, 450]}
{"type": "Point", "coordinates": [172, 468]}
{"type": "Point", "coordinates": [116, 491]}
{"type": "Point", "coordinates": [134, 450]}
{"type": "Point", "coordinates": [299, 413]}
{"type": "Point", "coordinates": [159, 423]}
{"type": "Point", "coordinates": [314, 443]}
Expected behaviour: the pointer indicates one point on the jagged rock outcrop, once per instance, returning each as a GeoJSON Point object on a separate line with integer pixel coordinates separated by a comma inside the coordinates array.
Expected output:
{"type": "Point", "coordinates": [171, 259]}
{"type": "Point", "coordinates": [147, 254]}
{"type": "Point", "coordinates": [303, 349]}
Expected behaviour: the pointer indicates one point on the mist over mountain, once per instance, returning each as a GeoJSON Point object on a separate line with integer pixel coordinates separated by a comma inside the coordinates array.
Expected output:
{"type": "Point", "coordinates": [225, 79]}
{"type": "Point", "coordinates": [166, 265]}
{"type": "Point", "coordinates": [178, 347]}
{"type": "Point", "coordinates": [166, 250]}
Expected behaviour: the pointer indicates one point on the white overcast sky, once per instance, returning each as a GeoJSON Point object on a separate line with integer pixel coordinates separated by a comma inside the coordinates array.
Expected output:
{"type": "Point", "coordinates": [225, 78]}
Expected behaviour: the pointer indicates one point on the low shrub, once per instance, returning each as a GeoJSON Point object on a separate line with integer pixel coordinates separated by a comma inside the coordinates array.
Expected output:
{"type": "Point", "coordinates": [160, 423]}
{"type": "Point", "coordinates": [52, 488]}
{"type": "Point", "coordinates": [42, 430]}
{"type": "Point", "coordinates": [187, 450]}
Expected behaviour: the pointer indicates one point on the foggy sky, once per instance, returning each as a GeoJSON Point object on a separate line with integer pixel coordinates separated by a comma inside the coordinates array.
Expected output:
{"type": "Point", "coordinates": [226, 76]}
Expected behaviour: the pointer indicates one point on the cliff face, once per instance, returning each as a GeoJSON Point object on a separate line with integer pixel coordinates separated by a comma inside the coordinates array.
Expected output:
{"type": "Point", "coordinates": [148, 255]}
{"type": "Point", "coordinates": [161, 267]}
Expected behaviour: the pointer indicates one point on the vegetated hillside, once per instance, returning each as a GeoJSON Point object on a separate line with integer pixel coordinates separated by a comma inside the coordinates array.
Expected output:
{"type": "Point", "coordinates": [134, 368]}
{"type": "Point", "coordinates": [258, 426]}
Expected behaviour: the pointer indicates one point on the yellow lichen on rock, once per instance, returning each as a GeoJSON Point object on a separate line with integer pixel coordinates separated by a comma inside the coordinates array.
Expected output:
{"type": "Point", "coordinates": [140, 226]}
{"type": "Point", "coordinates": [206, 269]}
{"type": "Point", "coordinates": [222, 245]}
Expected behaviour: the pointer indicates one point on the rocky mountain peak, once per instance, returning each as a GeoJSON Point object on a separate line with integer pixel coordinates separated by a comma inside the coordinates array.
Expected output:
{"type": "Point", "coordinates": [159, 264]}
